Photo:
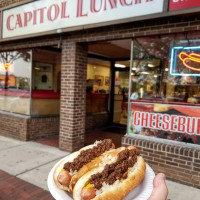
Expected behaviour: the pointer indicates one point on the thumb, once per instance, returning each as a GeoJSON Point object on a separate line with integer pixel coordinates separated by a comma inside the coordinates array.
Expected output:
{"type": "Point", "coordinates": [160, 190]}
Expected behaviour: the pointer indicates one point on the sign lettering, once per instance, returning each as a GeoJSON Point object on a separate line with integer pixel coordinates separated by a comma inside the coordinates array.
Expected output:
{"type": "Point", "coordinates": [41, 16]}
{"type": "Point", "coordinates": [167, 121]}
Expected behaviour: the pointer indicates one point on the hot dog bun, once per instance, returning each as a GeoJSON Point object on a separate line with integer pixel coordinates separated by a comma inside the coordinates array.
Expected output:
{"type": "Point", "coordinates": [117, 190]}
{"type": "Point", "coordinates": [74, 175]}
{"type": "Point", "coordinates": [60, 166]}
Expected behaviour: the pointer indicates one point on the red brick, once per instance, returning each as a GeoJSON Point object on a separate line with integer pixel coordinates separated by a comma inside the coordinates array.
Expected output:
{"type": "Point", "coordinates": [179, 161]}
{"type": "Point", "coordinates": [172, 163]}
{"type": "Point", "coordinates": [172, 155]}
{"type": "Point", "coordinates": [197, 161]}
{"type": "Point", "coordinates": [22, 191]}
{"type": "Point", "coordinates": [186, 158]}
{"type": "Point", "coordinates": [159, 160]}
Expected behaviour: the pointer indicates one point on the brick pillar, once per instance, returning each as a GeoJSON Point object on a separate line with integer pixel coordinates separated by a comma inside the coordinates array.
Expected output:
{"type": "Point", "coordinates": [73, 95]}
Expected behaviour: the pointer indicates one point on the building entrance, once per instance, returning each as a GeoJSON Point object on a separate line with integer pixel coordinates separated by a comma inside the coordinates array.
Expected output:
{"type": "Point", "coordinates": [108, 80]}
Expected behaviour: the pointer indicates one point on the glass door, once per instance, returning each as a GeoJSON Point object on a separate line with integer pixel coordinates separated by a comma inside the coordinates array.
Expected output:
{"type": "Point", "coordinates": [121, 88]}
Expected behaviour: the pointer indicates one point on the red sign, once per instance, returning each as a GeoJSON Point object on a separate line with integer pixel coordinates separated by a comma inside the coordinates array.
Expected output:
{"type": "Point", "coordinates": [181, 4]}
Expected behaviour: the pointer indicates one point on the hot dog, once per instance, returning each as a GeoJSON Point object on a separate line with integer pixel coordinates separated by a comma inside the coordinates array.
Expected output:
{"type": "Point", "coordinates": [72, 167]}
{"type": "Point", "coordinates": [114, 180]}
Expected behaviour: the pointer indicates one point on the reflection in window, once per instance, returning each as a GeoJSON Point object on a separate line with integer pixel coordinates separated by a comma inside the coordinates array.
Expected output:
{"type": "Point", "coordinates": [15, 81]}
{"type": "Point", "coordinates": [43, 76]}
{"type": "Point", "coordinates": [15, 70]}
{"type": "Point", "coordinates": [151, 78]}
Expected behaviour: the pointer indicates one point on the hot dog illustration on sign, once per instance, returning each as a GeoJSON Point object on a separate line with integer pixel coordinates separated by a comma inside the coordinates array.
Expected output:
{"type": "Point", "coordinates": [188, 60]}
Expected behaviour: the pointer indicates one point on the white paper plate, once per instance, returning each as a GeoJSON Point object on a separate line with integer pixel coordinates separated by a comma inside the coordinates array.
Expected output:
{"type": "Point", "coordinates": [142, 192]}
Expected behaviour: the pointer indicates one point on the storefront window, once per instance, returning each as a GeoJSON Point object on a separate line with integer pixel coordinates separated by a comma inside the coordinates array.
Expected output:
{"type": "Point", "coordinates": [165, 87]}
{"type": "Point", "coordinates": [46, 81]}
{"type": "Point", "coordinates": [15, 81]}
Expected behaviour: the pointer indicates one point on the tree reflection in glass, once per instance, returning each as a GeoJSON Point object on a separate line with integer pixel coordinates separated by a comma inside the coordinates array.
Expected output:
{"type": "Point", "coordinates": [8, 69]}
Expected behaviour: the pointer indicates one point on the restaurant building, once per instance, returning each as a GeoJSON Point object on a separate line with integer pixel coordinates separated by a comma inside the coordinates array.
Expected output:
{"type": "Point", "coordinates": [67, 66]}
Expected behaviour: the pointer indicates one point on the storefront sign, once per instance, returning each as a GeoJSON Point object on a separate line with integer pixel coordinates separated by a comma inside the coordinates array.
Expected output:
{"type": "Point", "coordinates": [41, 16]}
{"type": "Point", "coordinates": [172, 122]}
{"type": "Point", "coordinates": [181, 4]}
{"type": "Point", "coordinates": [185, 61]}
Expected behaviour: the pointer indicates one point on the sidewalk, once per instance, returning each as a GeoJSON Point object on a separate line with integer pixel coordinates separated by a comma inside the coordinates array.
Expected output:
{"type": "Point", "coordinates": [24, 167]}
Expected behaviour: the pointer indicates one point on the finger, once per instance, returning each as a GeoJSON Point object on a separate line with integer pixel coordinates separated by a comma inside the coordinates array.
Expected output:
{"type": "Point", "coordinates": [160, 190]}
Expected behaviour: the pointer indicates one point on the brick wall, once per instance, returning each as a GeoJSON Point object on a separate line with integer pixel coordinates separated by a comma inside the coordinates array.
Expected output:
{"type": "Point", "coordinates": [24, 128]}
{"type": "Point", "coordinates": [42, 127]}
{"type": "Point", "coordinates": [30, 43]}
{"type": "Point", "coordinates": [5, 3]}
{"type": "Point", "coordinates": [178, 162]}
{"type": "Point", "coordinates": [73, 95]}
{"type": "Point", "coordinates": [14, 126]}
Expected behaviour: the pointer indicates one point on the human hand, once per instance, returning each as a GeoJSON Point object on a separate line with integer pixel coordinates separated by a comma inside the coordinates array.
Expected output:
{"type": "Point", "coordinates": [160, 190]}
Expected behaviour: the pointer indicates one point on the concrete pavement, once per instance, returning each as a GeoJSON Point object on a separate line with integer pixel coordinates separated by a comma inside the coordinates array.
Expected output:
{"type": "Point", "coordinates": [28, 161]}
{"type": "Point", "coordinates": [31, 162]}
